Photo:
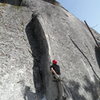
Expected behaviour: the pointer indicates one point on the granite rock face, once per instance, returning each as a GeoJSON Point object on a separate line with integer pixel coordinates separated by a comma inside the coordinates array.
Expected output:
{"type": "Point", "coordinates": [36, 33]}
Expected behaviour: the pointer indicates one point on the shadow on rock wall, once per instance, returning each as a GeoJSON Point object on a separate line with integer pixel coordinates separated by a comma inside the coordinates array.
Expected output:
{"type": "Point", "coordinates": [92, 87]}
{"type": "Point", "coordinates": [39, 48]}
{"type": "Point", "coordinates": [51, 1]}
{"type": "Point", "coordinates": [73, 90]}
{"type": "Point", "coordinates": [12, 2]}
{"type": "Point", "coordinates": [97, 53]}
{"type": "Point", "coordinates": [29, 95]}
{"type": "Point", "coordinates": [32, 34]}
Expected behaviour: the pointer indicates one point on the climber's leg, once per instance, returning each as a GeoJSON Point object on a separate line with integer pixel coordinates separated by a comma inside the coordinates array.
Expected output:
{"type": "Point", "coordinates": [60, 90]}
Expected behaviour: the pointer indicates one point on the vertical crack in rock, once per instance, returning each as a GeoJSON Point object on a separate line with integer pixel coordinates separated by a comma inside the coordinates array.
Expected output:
{"type": "Point", "coordinates": [39, 49]}
{"type": "Point", "coordinates": [85, 58]}
{"type": "Point", "coordinates": [97, 52]}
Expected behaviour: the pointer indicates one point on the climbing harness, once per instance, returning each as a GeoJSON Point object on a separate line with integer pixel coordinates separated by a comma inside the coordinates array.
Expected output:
{"type": "Point", "coordinates": [85, 57]}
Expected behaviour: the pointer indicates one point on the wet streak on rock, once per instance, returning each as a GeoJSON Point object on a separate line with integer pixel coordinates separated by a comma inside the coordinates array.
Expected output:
{"type": "Point", "coordinates": [39, 49]}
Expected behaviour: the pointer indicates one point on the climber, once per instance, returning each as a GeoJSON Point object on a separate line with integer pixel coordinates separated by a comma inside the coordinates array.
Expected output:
{"type": "Point", "coordinates": [55, 69]}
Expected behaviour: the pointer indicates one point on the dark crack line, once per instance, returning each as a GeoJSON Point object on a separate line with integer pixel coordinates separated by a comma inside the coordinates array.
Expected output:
{"type": "Point", "coordinates": [91, 33]}
{"type": "Point", "coordinates": [85, 57]}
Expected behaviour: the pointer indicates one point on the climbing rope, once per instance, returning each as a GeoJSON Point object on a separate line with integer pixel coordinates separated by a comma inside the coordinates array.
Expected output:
{"type": "Point", "coordinates": [65, 91]}
{"type": "Point", "coordinates": [85, 57]}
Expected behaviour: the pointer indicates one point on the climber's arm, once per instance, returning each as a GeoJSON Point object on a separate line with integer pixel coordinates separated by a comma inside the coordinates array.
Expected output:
{"type": "Point", "coordinates": [53, 71]}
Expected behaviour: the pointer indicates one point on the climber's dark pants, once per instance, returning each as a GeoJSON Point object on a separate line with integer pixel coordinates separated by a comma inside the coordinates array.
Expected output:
{"type": "Point", "coordinates": [59, 87]}
{"type": "Point", "coordinates": [60, 90]}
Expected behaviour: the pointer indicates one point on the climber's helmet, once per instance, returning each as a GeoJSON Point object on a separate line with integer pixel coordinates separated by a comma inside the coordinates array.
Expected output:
{"type": "Point", "coordinates": [54, 61]}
